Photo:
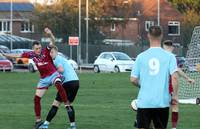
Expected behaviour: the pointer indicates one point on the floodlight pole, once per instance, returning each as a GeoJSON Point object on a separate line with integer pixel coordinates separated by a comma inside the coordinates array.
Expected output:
{"type": "Point", "coordinates": [11, 24]}
{"type": "Point", "coordinates": [87, 25]}
{"type": "Point", "coordinates": [79, 46]}
{"type": "Point", "coordinates": [158, 12]}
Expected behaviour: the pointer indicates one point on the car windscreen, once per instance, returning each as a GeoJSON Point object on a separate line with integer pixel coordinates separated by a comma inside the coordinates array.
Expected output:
{"type": "Point", "coordinates": [2, 58]}
{"type": "Point", "coordinates": [121, 56]}
{"type": "Point", "coordinates": [5, 50]}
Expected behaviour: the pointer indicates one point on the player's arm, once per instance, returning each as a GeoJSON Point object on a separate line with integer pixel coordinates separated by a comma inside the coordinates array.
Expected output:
{"type": "Point", "coordinates": [11, 56]}
{"type": "Point", "coordinates": [60, 69]}
{"type": "Point", "coordinates": [174, 76]}
{"type": "Point", "coordinates": [175, 85]}
{"type": "Point", "coordinates": [182, 74]}
{"type": "Point", "coordinates": [135, 73]}
{"type": "Point", "coordinates": [51, 36]}
{"type": "Point", "coordinates": [135, 81]}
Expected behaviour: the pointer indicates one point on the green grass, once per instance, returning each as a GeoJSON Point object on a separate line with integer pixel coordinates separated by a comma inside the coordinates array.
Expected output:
{"type": "Point", "coordinates": [102, 103]}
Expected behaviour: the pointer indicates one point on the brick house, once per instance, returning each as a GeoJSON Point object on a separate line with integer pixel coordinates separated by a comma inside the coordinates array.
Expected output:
{"type": "Point", "coordinates": [21, 19]}
{"type": "Point", "coordinates": [145, 15]}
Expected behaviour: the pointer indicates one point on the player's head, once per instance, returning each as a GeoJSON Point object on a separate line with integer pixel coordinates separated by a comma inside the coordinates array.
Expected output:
{"type": "Point", "coordinates": [168, 45]}
{"type": "Point", "coordinates": [37, 47]}
{"type": "Point", "coordinates": [155, 34]}
{"type": "Point", "coordinates": [53, 52]}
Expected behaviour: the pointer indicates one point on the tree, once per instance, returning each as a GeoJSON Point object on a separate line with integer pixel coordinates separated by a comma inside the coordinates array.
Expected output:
{"type": "Point", "coordinates": [191, 16]}
{"type": "Point", "coordinates": [62, 17]}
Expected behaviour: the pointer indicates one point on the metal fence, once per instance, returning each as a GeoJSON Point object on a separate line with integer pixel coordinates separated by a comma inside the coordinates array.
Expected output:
{"type": "Point", "coordinates": [94, 50]}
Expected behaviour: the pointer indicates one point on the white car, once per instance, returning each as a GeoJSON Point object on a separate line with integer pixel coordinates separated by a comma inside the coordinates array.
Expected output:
{"type": "Point", "coordinates": [72, 62]}
{"type": "Point", "coordinates": [32, 67]}
{"type": "Point", "coordinates": [113, 62]}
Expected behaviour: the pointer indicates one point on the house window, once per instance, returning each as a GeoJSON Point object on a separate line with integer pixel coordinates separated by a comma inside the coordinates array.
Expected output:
{"type": "Point", "coordinates": [173, 28]}
{"type": "Point", "coordinates": [27, 27]}
{"type": "Point", "coordinates": [4, 26]}
{"type": "Point", "coordinates": [148, 24]}
{"type": "Point", "coordinates": [113, 27]}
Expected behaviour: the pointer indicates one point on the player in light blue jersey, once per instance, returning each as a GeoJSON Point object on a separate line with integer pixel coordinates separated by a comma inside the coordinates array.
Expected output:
{"type": "Point", "coordinates": [71, 86]}
{"type": "Point", "coordinates": [151, 72]}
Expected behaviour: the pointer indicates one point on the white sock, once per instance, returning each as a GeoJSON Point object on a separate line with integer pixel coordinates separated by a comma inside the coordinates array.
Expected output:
{"type": "Point", "coordinates": [73, 124]}
{"type": "Point", "coordinates": [46, 123]}
{"type": "Point", "coordinates": [173, 128]}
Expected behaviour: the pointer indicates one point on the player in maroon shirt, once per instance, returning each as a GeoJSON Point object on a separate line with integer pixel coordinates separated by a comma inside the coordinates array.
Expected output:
{"type": "Point", "coordinates": [168, 46]}
{"type": "Point", "coordinates": [48, 73]}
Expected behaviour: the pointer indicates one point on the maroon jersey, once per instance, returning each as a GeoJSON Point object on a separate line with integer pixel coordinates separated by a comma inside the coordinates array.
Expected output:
{"type": "Point", "coordinates": [43, 62]}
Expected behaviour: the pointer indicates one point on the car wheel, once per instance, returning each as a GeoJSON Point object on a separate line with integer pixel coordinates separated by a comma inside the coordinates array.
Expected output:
{"type": "Point", "coordinates": [31, 68]}
{"type": "Point", "coordinates": [96, 69]}
{"type": "Point", "coordinates": [116, 69]}
{"type": "Point", "coordinates": [20, 62]}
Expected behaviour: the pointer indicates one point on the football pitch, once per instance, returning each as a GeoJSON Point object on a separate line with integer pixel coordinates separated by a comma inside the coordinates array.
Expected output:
{"type": "Point", "coordinates": [103, 102]}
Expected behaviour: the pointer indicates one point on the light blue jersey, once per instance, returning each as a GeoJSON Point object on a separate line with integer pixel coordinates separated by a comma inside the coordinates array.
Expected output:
{"type": "Point", "coordinates": [69, 72]}
{"type": "Point", "coordinates": [152, 68]}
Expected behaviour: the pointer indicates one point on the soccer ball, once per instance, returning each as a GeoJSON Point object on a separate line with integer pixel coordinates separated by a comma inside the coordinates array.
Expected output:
{"type": "Point", "coordinates": [134, 105]}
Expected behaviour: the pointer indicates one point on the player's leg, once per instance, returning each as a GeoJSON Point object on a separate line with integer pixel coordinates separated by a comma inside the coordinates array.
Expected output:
{"type": "Point", "coordinates": [51, 114]}
{"type": "Point", "coordinates": [143, 118]}
{"type": "Point", "coordinates": [175, 114]}
{"type": "Point", "coordinates": [37, 105]}
{"type": "Point", "coordinates": [71, 89]}
{"type": "Point", "coordinates": [57, 81]}
{"type": "Point", "coordinates": [160, 117]}
{"type": "Point", "coordinates": [42, 87]}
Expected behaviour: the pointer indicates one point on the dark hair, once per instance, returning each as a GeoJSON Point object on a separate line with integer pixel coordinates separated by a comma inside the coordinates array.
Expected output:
{"type": "Point", "coordinates": [168, 43]}
{"type": "Point", "coordinates": [35, 43]}
{"type": "Point", "coordinates": [155, 31]}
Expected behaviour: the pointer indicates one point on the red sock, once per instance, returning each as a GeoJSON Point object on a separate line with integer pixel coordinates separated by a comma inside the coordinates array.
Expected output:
{"type": "Point", "coordinates": [174, 119]}
{"type": "Point", "coordinates": [37, 107]}
{"type": "Point", "coordinates": [61, 91]}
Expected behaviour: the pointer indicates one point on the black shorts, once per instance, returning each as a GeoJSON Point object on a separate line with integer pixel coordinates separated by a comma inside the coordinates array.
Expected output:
{"type": "Point", "coordinates": [159, 116]}
{"type": "Point", "coordinates": [71, 89]}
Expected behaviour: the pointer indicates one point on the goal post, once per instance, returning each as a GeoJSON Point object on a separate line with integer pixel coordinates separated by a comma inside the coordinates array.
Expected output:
{"type": "Point", "coordinates": [189, 93]}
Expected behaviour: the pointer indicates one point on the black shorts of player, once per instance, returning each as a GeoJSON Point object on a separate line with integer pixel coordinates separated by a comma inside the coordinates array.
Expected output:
{"type": "Point", "coordinates": [159, 116]}
{"type": "Point", "coordinates": [71, 89]}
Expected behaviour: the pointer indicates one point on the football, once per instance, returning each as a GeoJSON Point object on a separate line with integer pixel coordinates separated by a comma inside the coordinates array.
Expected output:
{"type": "Point", "coordinates": [134, 104]}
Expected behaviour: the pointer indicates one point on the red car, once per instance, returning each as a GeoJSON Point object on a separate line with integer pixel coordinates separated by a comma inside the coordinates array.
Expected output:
{"type": "Point", "coordinates": [5, 64]}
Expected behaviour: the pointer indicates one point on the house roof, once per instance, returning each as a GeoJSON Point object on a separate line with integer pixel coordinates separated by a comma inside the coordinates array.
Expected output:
{"type": "Point", "coordinates": [26, 7]}
{"type": "Point", "coordinates": [7, 38]}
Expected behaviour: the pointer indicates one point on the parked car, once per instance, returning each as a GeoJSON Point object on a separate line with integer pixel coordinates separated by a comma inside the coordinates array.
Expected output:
{"type": "Point", "coordinates": [26, 62]}
{"type": "Point", "coordinates": [113, 62]}
{"type": "Point", "coordinates": [5, 64]}
{"type": "Point", "coordinates": [72, 62]}
{"type": "Point", "coordinates": [21, 61]}
{"type": "Point", "coordinates": [32, 67]}
{"type": "Point", "coordinates": [4, 49]}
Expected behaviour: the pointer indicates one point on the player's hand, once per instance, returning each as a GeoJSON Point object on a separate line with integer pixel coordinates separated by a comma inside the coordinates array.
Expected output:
{"type": "Point", "coordinates": [198, 67]}
{"type": "Point", "coordinates": [47, 30]}
{"type": "Point", "coordinates": [191, 81]}
{"type": "Point", "coordinates": [174, 100]}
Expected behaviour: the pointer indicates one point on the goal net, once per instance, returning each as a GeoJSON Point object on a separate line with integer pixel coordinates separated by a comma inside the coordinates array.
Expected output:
{"type": "Point", "coordinates": [188, 93]}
